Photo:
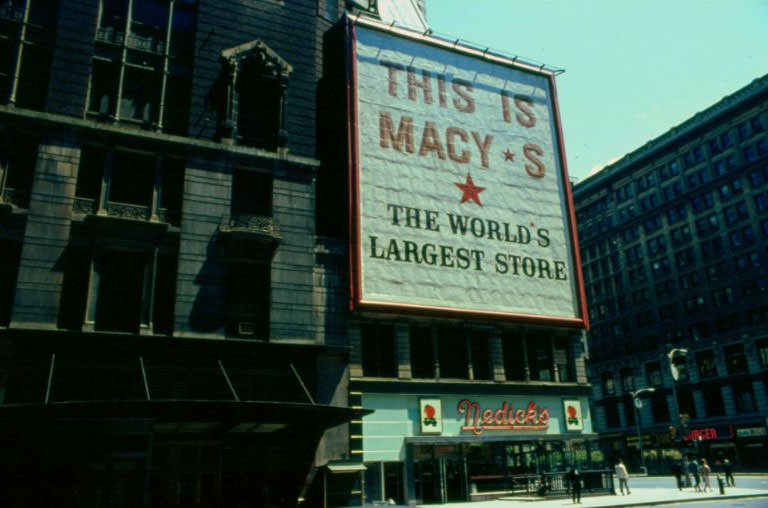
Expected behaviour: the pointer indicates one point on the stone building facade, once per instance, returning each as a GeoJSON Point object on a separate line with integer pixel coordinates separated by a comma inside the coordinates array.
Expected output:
{"type": "Point", "coordinates": [673, 240]}
{"type": "Point", "coordinates": [159, 340]}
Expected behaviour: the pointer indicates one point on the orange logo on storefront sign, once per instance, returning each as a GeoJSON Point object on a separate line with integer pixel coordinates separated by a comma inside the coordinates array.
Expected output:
{"type": "Point", "coordinates": [573, 418]}
{"type": "Point", "coordinates": [429, 416]}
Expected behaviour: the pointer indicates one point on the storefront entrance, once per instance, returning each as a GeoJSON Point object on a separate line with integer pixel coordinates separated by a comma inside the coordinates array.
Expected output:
{"type": "Point", "coordinates": [440, 474]}
{"type": "Point", "coordinates": [470, 470]}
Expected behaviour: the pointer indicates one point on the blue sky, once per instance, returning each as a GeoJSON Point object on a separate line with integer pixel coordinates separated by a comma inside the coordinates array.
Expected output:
{"type": "Point", "coordinates": [634, 68]}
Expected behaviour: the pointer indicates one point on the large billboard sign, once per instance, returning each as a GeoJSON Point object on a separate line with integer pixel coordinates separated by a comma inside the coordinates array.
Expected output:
{"type": "Point", "coordinates": [460, 201]}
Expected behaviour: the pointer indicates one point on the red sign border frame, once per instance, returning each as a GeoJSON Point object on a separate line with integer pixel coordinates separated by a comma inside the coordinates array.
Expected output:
{"type": "Point", "coordinates": [355, 263]}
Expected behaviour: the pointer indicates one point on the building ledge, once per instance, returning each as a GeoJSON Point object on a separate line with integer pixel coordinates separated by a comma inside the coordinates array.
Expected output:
{"type": "Point", "coordinates": [389, 385]}
{"type": "Point", "coordinates": [147, 138]}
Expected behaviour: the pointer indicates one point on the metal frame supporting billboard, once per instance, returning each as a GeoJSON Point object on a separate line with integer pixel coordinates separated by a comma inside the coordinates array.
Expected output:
{"type": "Point", "coordinates": [460, 202]}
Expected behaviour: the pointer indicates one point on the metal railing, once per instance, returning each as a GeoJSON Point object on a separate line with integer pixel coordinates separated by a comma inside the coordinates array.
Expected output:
{"type": "Point", "coordinates": [543, 484]}
{"type": "Point", "coordinates": [87, 206]}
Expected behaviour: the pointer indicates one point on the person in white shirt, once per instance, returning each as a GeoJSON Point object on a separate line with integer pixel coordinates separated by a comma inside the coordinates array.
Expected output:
{"type": "Point", "coordinates": [623, 476]}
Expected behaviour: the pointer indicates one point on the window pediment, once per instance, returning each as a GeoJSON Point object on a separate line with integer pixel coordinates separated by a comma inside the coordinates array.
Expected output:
{"type": "Point", "coordinates": [261, 56]}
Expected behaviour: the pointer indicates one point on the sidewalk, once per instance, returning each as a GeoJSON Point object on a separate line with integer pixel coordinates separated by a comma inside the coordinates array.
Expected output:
{"type": "Point", "coordinates": [639, 497]}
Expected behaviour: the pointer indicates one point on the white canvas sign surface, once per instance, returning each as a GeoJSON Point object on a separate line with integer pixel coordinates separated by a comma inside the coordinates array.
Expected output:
{"type": "Point", "coordinates": [460, 194]}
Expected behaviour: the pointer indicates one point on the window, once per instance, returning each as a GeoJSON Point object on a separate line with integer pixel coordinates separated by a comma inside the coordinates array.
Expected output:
{"type": "Point", "coordinates": [685, 402]}
{"type": "Point", "coordinates": [667, 312]}
{"type": "Point", "coordinates": [481, 357]}
{"type": "Point", "coordinates": [514, 357]}
{"type": "Point", "coordinates": [653, 373]}
{"type": "Point", "coordinates": [761, 202]}
{"type": "Point", "coordinates": [18, 156]}
{"type": "Point", "coordinates": [714, 146]}
{"type": "Point", "coordinates": [248, 299]}
{"type": "Point", "coordinates": [762, 352]}
{"type": "Point", "coordinates": [713, 402]}
{"type": "Point", "coordinates": [672, 191]}
{"type": "Point", "coordinates": [652, 224]}
{"type": "Point", "coordinates": [562, 356]}
{"type": "Point", "coordinates": [26, 50]}
{"type": "Point", "coordinates": [698, 153]}
{"type": "Point", "coordinates": [730, 189]}
{"type": "Point", "coordinates": [452, 353]}
{"type": "Point", "coordinates": [726, 140]}
{"type": "Point", "coordinates": [681, 235]}
{"type": "Point", "coordinates": [757, 177]}
{"type": "Point", "coordinates": [329, 9]}
{"type": "Point", "coordinates": [627, 380]}
{"type": "Point", "coordinates": [719, 168]}
{"type": "Point", "coordinates": [10, 255]}
{"type": "Point", "coordinates": [140, 72]}
{"type": "Point", "coordinates": [118, 275]}
{"type": "Point", "coordinates": [540, 358]}
{"type": "Point", "coordinates": [422, 353]}
{"type": "Point", "coordinates": [122, 288]}
{"type": "Point", "coordinates": [251, 108]}
{"type": "Point", "coordinates": [659, 408]}
{"type": "Point", "coordinates": [712, 248]}
{"type": "Point", "coordinates": [137, 185]}
{"type": "Point", "coordinates": [629, 412]}
{"type": "Point", "coordinates": [689, 159]}
{"type": "Point", "coordinates": [612, 415]}
{"type": "Point", "coordinates": [378, 350]}
{"type": "Point", "coordinates": [735, 359]}
{"type": "Point", "coordinates": [251, 193]}
{"type": "Point", "coordinates": [744, 397]}
{"type": "Point", "coordinates": [702, 202]}
{"type": "Point", "coordinates": [705, 362]}
{"type": "Point", "coordinates": [609, 387]}
{"type": "Point", "coordinates": [676, 213]}
{"type": "Point", "coordinates": [656, 245]}
{"type": "Point", "coordinates": [690, 280]}
{"type": "Point", "coordinates": [722, 296]}
{"type": "Point", "coordinates": [685, 257]}
{"type": "Point", "coordinates": [707, 224]}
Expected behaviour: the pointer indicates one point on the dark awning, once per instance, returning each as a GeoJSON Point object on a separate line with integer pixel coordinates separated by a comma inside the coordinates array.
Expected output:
{"type": "Point", "coordinates": [237, 414]}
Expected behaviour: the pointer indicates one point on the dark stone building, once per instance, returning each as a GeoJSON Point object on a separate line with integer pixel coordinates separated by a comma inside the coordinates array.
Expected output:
{"type": "Point", "coordinates": [159, 340]}
{"type": "Point", "coordinates": [673, 240]}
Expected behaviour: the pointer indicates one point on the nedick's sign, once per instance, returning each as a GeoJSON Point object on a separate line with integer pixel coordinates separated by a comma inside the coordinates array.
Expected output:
{"type": "Point", "coordinates": [507, 417]}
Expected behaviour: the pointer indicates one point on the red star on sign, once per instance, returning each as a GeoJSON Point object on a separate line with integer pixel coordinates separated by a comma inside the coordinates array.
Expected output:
{"type": "Point", "coordinates": [470, 190]}
{"type": "Point", "coordinates": [509, 156]}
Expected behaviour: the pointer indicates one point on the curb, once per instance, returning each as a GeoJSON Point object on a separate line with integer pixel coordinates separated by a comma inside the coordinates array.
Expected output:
{"type": "Point", "coordinates": [691, 500]}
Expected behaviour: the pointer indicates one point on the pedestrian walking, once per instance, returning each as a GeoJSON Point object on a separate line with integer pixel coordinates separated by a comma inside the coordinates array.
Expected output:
{"type": "Point", "coordinates": [677, 471]}
{"type": "Point", "coordinates": [623, 476]}
{"type": "Point", "coordinates": [705, 472]}
{"type": "Point", "coordinates": [694, 470]}
{"type": "Point", "coordinates": [728, 471]}
{"type": "Point", "coordinates": [687, 472]}
{"type": "Point", "coordinates": [574, 478]}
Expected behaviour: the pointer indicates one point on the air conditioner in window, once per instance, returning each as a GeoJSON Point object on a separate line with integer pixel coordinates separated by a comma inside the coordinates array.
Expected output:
{"type": "Point", "coordinates": [104, 104]}
{"type": "Point", "coordinates": [146, 113]}
{"type": "Point", "coordinates": [246, 328]}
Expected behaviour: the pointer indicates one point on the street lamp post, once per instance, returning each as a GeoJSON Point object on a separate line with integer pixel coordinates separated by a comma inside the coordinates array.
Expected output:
{"type": "Point", "coordinates": [637, 403]}
{"type": "Point", "coordinates": [675, 374]}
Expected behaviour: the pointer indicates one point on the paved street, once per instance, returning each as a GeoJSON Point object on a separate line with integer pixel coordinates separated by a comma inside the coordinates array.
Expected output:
{"type": "Point", "coordinates": [729, 503]}
{"type": "Point", "coordinates": [657, 491]}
